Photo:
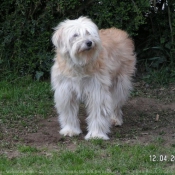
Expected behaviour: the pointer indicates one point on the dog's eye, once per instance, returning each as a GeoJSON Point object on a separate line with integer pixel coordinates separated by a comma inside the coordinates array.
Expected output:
{"type": "Point", "coordinates": [75, 35]}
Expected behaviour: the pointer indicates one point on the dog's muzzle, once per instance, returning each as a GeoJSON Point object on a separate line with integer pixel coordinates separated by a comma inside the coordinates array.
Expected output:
{"type": "Point", "coordinates": [89, 44]}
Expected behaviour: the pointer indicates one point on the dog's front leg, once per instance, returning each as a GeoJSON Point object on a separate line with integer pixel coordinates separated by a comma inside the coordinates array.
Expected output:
{"type": "Point", "coordinates": [67, 105]}
{"type": "Point", "coordinates": [99, 105]}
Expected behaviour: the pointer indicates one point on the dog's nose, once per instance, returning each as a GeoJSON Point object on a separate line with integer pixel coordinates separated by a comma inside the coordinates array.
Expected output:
{"type": "Point", "coordinates": [89, 43]}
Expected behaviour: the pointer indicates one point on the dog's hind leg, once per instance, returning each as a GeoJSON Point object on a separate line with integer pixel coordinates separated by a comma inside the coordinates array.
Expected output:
{"type": "Point", "coordinates": [120, 92]}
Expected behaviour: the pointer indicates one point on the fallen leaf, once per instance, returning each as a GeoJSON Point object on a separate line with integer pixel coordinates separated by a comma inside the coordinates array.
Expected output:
{"type": "Point", "coordinates": [157, 118]}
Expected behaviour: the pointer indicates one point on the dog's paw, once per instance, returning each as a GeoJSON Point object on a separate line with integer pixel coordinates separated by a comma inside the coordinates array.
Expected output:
{"type": "Point", "coordinates": [69, 131]}
{"type": "Point", "coordinates": [91, 135]}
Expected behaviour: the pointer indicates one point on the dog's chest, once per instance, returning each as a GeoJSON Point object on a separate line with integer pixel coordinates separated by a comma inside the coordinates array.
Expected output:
{"type": "Point", "coordinates": [84, 86]}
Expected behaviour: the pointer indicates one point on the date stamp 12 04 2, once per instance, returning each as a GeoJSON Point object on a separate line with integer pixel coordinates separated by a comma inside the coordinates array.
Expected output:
{"type": "Point", "coordinates": [162, 158]}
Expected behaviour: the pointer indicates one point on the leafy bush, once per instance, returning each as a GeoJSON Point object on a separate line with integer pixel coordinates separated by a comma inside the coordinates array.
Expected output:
{"type": "Point", "coordinates": [105, 13]}
{"type": "Point", "coordinates": [26, 27]}
{"type": "Point", "coordinates": [155, 41]}
{"type": "Point", "coordinates": [25, 35]}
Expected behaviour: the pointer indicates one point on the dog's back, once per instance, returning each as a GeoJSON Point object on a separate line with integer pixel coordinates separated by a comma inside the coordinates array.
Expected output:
{"type": "Point", "coordinates": [119, 49]}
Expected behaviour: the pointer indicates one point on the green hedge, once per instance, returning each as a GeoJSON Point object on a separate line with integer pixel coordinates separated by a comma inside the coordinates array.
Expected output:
{"type": "Point", "coordinates": [26, 27]}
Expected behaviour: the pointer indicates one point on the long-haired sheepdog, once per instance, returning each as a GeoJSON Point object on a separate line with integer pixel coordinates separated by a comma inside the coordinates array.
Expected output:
{"type": "Point", "coordinates": [93, 66]}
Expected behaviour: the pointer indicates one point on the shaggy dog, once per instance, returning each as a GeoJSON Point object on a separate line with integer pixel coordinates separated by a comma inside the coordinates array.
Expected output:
{"type": "Point", "coordinates": [93, 66]}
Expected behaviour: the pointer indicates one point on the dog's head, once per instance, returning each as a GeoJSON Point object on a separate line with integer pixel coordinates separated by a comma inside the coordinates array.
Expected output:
{"type": "Point", "coordinates": [77, 40]}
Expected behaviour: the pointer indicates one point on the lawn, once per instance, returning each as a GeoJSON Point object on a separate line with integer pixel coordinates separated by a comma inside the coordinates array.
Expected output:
{"type": "Point", "coordinates": [140, 146]}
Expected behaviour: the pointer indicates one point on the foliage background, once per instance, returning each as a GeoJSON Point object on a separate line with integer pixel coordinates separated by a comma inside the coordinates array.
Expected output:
{"type": "Point", "coordinates": [26, 27]}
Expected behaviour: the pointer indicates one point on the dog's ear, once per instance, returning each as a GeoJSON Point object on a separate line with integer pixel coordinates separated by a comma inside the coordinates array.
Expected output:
{"type": "Point", "coordinates": [56, 38]}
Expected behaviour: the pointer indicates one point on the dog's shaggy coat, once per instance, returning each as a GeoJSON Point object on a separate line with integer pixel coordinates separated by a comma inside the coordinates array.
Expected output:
{"type": "Point", "coordinates": [93, 66]}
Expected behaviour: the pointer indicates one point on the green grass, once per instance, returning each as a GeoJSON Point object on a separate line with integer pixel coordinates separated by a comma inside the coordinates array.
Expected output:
{"type": "Point", "coordinates": [90, 158]}
{"type": "Point", "coordinates": [162, 76]}
{"type": "Point", "coordinates": [27, 149]}
{"type": "Point", "coordinates": [24, 100]}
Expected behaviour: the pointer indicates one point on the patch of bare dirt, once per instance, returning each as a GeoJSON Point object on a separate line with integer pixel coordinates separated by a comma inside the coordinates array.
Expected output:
{"type": "Point", "coordinates": [146, 120]}
{"type": "Point", "coordinates": [47, 133]}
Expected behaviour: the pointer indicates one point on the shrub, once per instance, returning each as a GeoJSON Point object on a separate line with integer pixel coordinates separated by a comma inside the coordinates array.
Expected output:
{"type": "Point", "coordinates": [25, 35]}
{"type": "Point", "coordinates": [155, 41]}
{"type": "Point", "coordinates": [105, 13]}
{"type": "Point", "coordinates": [27, 26]}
